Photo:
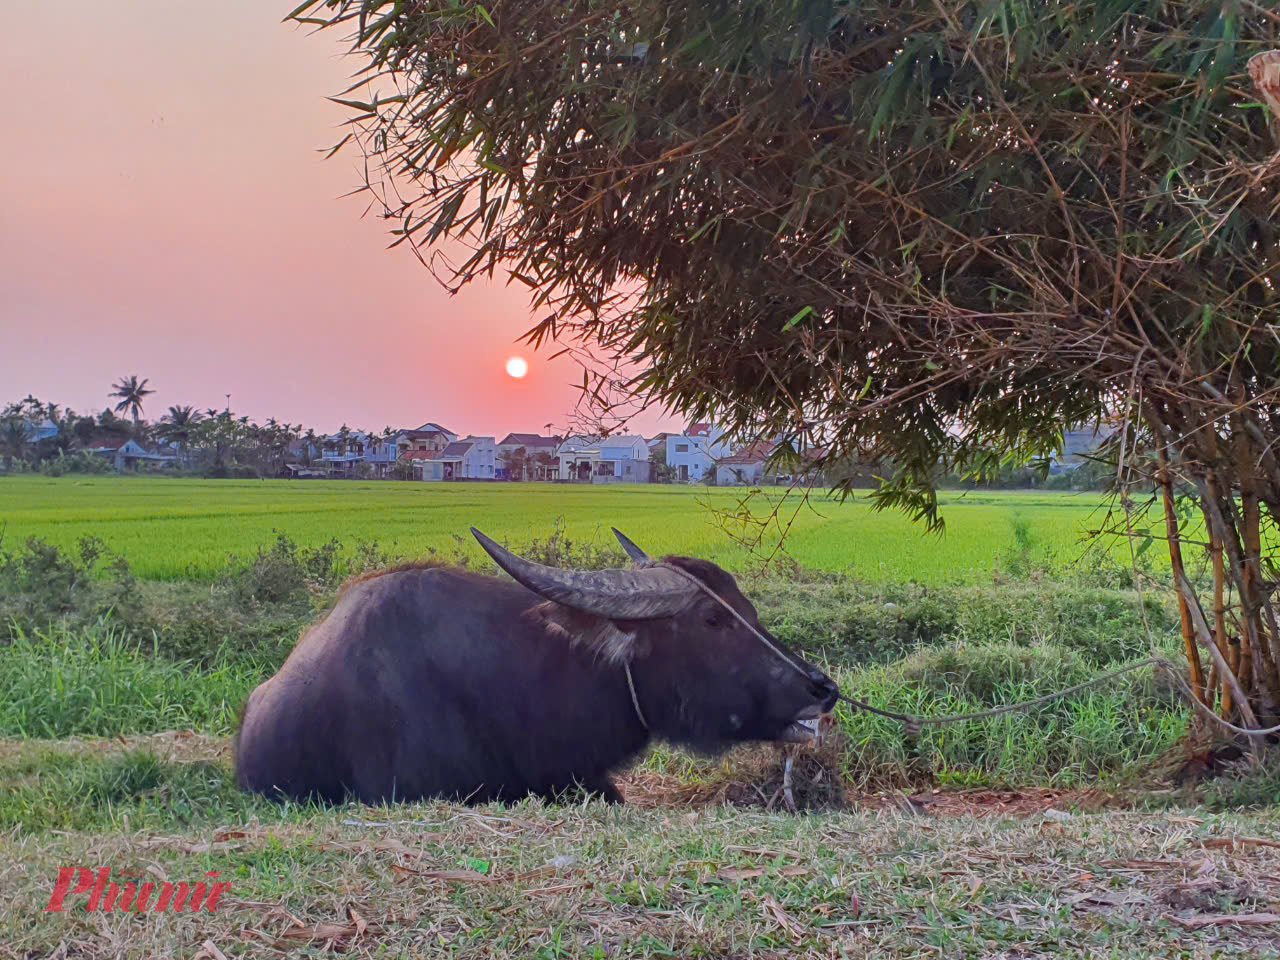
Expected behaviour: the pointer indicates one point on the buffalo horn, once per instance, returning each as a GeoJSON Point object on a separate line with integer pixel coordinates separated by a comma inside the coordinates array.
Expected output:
{"type": "Point", "coordinates": [616, 594]}
{"type": "Point", "coordinates": [638, 556]}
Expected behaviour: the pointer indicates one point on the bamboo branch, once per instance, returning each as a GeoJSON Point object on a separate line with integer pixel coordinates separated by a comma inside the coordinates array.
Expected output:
{"type": "Point", "coordinates": [1202, 627]}
{"type": "Point", "coordinates": [1173, 532]}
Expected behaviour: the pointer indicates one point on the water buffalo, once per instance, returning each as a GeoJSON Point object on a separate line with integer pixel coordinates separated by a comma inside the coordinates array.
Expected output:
{"type": "Point", "coordinates": [432, 681]}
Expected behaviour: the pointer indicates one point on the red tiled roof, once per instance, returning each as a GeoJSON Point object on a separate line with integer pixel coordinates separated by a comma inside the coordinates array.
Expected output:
{"type": "Point", "coordinates": [419, 454]}
{"type": "Point", "coordinates": [756, 453]}
{"type": "Point", "coordinates": [530, 440]}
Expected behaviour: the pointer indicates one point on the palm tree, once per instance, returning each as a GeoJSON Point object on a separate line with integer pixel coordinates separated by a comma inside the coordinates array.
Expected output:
{"type": "Point", "coordinates": [177, 424]}
{"type": "Point", "coordinates": [131, 394]}
{"type": "Point", "coordinates": [309, 439]}
{"type": "Point", "coordinates": [13, 441]}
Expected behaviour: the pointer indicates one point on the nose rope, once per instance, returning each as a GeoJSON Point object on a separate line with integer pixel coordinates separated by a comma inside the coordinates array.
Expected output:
{"type": "Point", "coordinates": [635, 701]}
{"type": "Point", "coordinates": [741, 619]}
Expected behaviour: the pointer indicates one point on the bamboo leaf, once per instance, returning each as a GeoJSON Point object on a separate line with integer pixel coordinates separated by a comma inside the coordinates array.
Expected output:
{"type": "Point", "coordinates": [800, 315]}
{"type": "Point", "coordinates": [355, 104]}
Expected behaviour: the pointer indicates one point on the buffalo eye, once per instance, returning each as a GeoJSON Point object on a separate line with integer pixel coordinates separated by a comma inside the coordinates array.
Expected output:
{"type": "Point", "coordinates": [713, 620]}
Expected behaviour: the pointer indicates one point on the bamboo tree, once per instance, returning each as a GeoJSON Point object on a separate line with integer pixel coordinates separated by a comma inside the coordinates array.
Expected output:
{"type": "Point", "coordinates": [930, 235]}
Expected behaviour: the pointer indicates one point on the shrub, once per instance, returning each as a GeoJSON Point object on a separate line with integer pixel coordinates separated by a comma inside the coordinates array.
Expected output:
{"type": "Point", "coordinates": [79, 462]}
{"type": "Point", "coordinates": [1107, 730]}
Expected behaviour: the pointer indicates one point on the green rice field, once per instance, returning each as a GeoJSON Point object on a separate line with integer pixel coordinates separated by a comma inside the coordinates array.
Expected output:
{"type": "Point", "coordinates": [176, 529]}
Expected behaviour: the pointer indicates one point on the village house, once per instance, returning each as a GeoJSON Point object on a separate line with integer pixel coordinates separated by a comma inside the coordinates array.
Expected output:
{"type": "Point", "coordinates": [658, 441]}
{"type": "Point", "coordinates": [539, 452]}
{"type": "Point", "coordinates": [472, 458]}
{"type": "Point", "coordinates": [746, 467]}
{"type": "Point", "coordinates": [429, 436]}
{"type": "Point", "coordinates": [618, 459]}
{"type": "Point", "coordinates": [44, 430]}
{"type": "Point", "coordinates": [131, 456]}
{"type": "Point", "coordinates": [693, 454]}
{"type": "Point", "coordinates": [1078, 446]}
{"type": "Point", "coordinates": [360, 453]}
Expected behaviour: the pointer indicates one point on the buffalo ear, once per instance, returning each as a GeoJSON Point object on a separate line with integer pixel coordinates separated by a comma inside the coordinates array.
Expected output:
{"type": "Point", "coordinates": [600, 635]}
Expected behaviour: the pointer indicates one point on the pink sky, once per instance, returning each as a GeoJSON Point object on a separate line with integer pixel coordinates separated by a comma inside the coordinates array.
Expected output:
{"type": "Point", "coordinates": [167, 212]}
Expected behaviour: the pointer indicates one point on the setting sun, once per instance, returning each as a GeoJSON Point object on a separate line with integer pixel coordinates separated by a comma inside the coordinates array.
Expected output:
{"type": "Point", "coordinates": [516, 367]}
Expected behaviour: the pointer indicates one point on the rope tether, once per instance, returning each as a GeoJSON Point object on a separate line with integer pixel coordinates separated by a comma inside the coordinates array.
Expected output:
{"type": "Point", "coordinates": [912, 724]}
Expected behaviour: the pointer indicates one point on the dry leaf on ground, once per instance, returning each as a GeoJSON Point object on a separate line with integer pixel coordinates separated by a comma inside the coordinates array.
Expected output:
{"type": "Point", "coordinates": [325, 932]}
{"type": "Point", "coordinates": [1224, 919]}
{"type": "Point", "coordinates": [1231, 843]}
{"type": "Point", "coordinates": [209, 951]}
{"type": "Point", "coordinates": [452, 876]}
{"type": "Point", "coordinates": [773, 910]}
{"type": "Point", "coordinates": [748, 873]}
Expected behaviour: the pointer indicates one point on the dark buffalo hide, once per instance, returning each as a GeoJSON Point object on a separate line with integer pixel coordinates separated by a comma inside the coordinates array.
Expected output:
{"type": "Point", "coordinates": [432, 681]}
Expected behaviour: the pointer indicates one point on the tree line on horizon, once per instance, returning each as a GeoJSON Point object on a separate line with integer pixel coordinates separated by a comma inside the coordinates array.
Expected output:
{"type": "Point", "coordinates": [212, 442]}
{"type": "Point", "coordinates": [218, 444]}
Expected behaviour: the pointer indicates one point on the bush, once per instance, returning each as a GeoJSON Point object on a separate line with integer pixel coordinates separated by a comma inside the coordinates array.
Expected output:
{"type": "Point", "coordinates": [1111, 729]}
{"type": "Point", "coordinates": [854, 623]}
{"type": "Point", "coordinates": [41, 582]}
{"type": "Point", "coordinates": [255, 611]}
{"type": "Point", "coordinates": [75, 463]}
{"type": "Point", "coordinates": [1246, 786]}
{"type": "Point", "coordinates": [559, 550]}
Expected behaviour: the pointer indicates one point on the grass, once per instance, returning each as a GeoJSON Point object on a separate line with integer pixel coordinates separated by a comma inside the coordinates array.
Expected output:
{"type": "Point", "coordinates": [179, 529]}
{"type": "Point", "coordinates": [121, 683]}
{"type": "Point", "coordinates": [593, 881]}
{"type": "Point", "coordinates": [118, 656]}
{"type": "Point", "coordinates": [1100, 735]}
{"type": "Point", "coordinates": [98, 682]}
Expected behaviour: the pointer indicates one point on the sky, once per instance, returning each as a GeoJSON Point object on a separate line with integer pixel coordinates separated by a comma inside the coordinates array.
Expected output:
{"type": "Point", "coordinates": [166, 211]}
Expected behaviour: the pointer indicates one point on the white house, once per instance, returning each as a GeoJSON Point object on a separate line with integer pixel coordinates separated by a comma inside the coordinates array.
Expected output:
{"type": "Point", "coordinates": [472, 458]}
{"type": "Point", "coordinates": [746, 467]}
{"type": "Point", "coordinates": [618, 459]}
{"type": "Point", "coordinates": [533, 444]}
{"type": "Point", "coordinates": [692, 454]}
{"type": "Point", "coordinates": [579, 457]}
{"type": "Point", "coordinates": [480, 461]}
{"type": "Point", "coordinates": [1078, 446]}
{"type": "Point", "coordinates": [344, 459]}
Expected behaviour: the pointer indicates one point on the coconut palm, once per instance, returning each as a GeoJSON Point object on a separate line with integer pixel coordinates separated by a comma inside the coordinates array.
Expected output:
{"type": "Point", "coordinates": [131, 393]}
{"type": "Point", "coordinates": [13, 441]}
{"type": "Point", "coordinates": [177, 425]}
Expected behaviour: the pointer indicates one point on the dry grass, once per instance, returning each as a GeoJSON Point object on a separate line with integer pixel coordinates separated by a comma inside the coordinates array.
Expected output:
{"type": "Point", "coordinates": [591, 881]}
{"type": "Point", "coordinates": [676, 873]}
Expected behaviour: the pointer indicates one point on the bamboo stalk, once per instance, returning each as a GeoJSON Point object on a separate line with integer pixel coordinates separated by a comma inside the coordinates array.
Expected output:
{"type": "Point", "coordinates": [1197, 616]}
{"type": "Point", "coordinates": [1230, 648]}
{"type": "Point", "coordinates": [1265, 668]}
{"type": "Point", "coordinates": [1173, 533]}
{"type": "Point", "coordinates": [1217, 518]}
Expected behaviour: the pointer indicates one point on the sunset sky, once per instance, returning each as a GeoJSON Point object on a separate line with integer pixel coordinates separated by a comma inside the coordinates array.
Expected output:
{"type": "Point", "coordinates": [167, 211]}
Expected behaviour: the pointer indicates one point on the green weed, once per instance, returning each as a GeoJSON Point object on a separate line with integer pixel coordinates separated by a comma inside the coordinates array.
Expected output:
{"type": "Point", "coordinates": [97, 681]}
{"type": "Point", "coordinates": [1107, 731]}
